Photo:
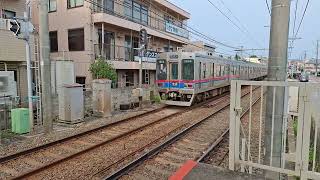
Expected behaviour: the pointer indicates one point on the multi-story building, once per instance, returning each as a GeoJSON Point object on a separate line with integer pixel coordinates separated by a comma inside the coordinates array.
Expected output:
{"type": "Point", "coordinates": [12, 49]}
{"type": "Point", "coordinates": [83, 30]}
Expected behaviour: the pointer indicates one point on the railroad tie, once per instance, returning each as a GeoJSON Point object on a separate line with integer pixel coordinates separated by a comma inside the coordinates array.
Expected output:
{"type": "Point", "coordinates": [158, 171]}
{"type": "Point", "coordinates": [166, 162]}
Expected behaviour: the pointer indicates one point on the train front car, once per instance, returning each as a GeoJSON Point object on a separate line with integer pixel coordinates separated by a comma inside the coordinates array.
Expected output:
{"type": "Point", "coordinates": [175, 74]}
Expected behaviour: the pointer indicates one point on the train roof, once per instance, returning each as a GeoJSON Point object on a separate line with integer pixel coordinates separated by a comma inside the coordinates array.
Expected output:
{"type": "Point", "coordinates": [209, 55]}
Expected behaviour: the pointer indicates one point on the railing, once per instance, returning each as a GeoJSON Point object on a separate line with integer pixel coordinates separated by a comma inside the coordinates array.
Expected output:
{"type": "Point", "coordinates": [116, 53]}
{"type": "Point", "coordinates": [151, 19]}
{"type": "Point", "coordinates": [269, 140]}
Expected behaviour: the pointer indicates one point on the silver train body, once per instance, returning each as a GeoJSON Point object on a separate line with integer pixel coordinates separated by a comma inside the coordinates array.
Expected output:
{"type": "Point", "coordinates": [184, 78]}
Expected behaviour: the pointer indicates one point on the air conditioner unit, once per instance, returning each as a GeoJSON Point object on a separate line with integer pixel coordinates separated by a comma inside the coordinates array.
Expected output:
{"type": "Point", "coordinates": [7, 84]}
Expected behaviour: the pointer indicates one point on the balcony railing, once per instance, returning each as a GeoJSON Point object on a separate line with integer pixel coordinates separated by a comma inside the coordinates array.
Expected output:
{"type": "Point", "coordinates": [121, 53]}
{"type": "Point", "coordinates": [153, 21]}
{"type": "Point", "coordinates": [115, 53]}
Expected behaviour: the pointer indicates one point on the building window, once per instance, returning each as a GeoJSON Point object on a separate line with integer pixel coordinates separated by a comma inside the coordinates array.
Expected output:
{"type": "Point", "coordinates": [144, 15]}
{"type": "Point", "coordinates": [52, 5]}
{"type": "Point", "coordinates": [137, 12]}
{"type": "Point", "coordinates": [109, 5]}
{"type": "Point", "coordinates": [128, 8]}
{"type": "Point", "coordinates": [53, 36]}
{"type": "Point", "coordinates": [6, 14]}
{"type": "Point", "coordinates": [75, 3]}
{"type": "Point", "coordinates": [76, 39]}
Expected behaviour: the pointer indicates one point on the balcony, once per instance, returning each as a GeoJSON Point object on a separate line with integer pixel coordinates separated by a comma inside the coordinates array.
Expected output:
{"type": "Point", "coordinates": [128, 17]}
{"type": "Point", "coordinates": [125, 57]}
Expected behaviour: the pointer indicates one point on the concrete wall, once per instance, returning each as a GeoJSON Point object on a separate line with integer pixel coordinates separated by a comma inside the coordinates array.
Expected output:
{"type": "Point", "coordinates": [119, 96]}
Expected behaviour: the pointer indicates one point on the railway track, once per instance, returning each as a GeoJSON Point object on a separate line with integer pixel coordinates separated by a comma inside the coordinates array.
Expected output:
{"type": "Point", "coordinates": [161, 161]}
{"type": "Point", "coordinates": [218, 152]}
{"type": "Point", "coordinates": [47, 160]}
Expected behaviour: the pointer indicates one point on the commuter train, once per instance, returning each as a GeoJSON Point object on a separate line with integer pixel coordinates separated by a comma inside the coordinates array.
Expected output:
{"type": "Point", "coordinates": [185, 78]}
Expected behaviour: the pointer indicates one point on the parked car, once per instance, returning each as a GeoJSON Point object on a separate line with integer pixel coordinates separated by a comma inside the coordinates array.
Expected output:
{"type": "Point", "coordinates": [304, 77]}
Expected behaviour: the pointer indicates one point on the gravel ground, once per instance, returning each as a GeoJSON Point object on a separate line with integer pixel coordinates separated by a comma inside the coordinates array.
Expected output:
{"type": "Point", "coordinates": [83, 142]}
{"type": "Point", "coordinates": [60, 132]}
{"type": "Point", "coordinates": [215, 157]}
{"type": "Point", "coordinates": [191, 146]}
{"type": "Point", "coordinates": [99, 159]}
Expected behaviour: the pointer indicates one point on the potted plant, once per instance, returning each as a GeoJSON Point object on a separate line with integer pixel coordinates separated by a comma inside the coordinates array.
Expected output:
{"type": "Point", "coordinates": [103, 74]}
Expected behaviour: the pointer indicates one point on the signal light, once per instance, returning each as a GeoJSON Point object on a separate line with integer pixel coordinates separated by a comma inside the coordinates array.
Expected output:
{"type": "Point", "coordinates": [143, 36]}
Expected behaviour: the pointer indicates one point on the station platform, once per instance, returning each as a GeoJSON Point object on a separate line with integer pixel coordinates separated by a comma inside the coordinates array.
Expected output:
{"type": "Point", "coordinates": [198, 171]}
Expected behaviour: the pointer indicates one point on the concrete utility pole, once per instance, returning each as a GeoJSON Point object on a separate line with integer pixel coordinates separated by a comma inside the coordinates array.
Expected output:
{"type": "Point", "coordinates": [45, 65]}
{"type": "Point", "coordinates": [28, 59]}
{"type": "Point", "coordinates": [277, 71]}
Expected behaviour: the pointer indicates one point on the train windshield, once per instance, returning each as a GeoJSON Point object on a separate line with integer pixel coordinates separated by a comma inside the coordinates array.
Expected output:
{"type": "Point", "coordinates": [174, 70]}
{"type": "Point", "coordinates": [162, 69]}
{"type": "Point", "coordinates": [188, 69]}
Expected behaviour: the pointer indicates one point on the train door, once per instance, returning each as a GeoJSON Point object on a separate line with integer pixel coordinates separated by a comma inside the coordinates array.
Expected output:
{"type": "Point", "coordinates": [200, 74]}
{"type": "Point", "coordinates": [213, 73]}
{"type": "Point", "coordinates": [173, 75]}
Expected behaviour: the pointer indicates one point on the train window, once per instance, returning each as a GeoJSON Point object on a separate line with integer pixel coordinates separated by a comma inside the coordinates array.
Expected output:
{"type": "Point", "coordinates": [161, 69]}
{"type": "Point", "coordinates": [188, 69]}
{"type": "Point", "coordinates": [174, 70]}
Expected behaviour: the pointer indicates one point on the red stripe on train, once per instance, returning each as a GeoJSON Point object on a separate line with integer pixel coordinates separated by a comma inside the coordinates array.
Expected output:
{"type": "Point", "coordinates": [198, 81]}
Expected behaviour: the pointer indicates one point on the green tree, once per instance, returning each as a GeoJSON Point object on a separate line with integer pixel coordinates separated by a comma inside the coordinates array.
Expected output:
{"type": "Point", "coordinates": [101, 69]}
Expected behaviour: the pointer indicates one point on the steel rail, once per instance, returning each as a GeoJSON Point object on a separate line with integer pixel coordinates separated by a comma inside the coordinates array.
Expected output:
{"type": "Point", "coordinates": [223, 135]}
{"type": "Point", "coordinates": [61, 160]}
{"type": "Point", "coordinates": [44, 146]}
{"type": "Point", "coordinates": [120, 172]}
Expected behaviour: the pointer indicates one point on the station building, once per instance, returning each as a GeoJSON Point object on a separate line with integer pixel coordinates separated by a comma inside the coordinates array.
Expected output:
{"type": "Point", "coordinates": [83, 30]}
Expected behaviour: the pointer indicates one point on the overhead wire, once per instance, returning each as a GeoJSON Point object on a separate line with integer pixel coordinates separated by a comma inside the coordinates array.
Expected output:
{"type": "Point", "coordinates": [304, 13]}
{"type": "Point", "coordinates": [233, 23]}
{"type": "Point", "coordinates": [267, 3]}
{"type": "Point", "coordinates": [195, 31]}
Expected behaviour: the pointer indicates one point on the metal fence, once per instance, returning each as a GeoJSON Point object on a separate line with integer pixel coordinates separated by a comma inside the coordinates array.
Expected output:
{"type": "Point", "coordinates": [254, 145]}
{"type": "Point", "coordinates": [113, 52]}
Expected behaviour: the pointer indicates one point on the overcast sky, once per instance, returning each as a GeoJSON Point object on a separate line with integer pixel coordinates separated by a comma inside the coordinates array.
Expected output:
{"type": "Point", "coordinates": [254, 16]}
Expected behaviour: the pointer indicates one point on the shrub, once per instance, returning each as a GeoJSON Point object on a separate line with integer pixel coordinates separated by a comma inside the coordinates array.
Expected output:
{"type": "Point", "coordinates": [101, 69]}
{"type": "Point", "coordinates": [156, 99]}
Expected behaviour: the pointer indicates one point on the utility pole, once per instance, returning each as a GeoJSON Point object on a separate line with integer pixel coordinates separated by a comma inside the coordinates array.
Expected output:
{"type": "Point", "coordinates": [28, 59]}
{"type": "Point", "coordinates": [277, 71]}
{"type": "Point", "coordinates": [45, 65]}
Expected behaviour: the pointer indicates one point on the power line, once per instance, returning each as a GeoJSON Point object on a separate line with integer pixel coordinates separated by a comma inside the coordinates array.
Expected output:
{"type": "Point", "coordinates": [267, 3]}
{"type": "Point", "coordinates": [304, 13]}
{"type": "Point", "coordinates": [295, 17]}
{"type": "Point", "coordinates": [231, 21]}
{"type": "Point", "coordinates": [196, 31]}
